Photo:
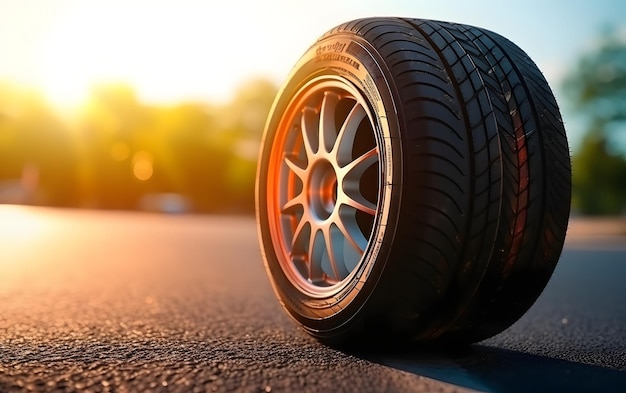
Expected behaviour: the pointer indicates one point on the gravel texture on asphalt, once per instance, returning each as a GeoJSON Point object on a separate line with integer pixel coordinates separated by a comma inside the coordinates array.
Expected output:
{"type": "Point", "coordinates": [143, 303]}
{"type": "Point", "coordinates": [123, 302]}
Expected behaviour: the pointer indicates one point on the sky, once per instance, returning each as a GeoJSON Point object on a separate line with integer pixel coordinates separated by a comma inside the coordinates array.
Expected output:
{"type": "Point", "coordinates": [172, 50]}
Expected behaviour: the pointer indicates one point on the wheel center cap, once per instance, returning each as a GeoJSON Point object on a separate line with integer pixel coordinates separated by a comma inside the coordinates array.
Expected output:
{"type": "Point", "coordinates": [322, 190]}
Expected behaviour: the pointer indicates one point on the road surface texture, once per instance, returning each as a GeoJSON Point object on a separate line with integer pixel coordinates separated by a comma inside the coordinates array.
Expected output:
{"type": "Point", "coordinates": [122, 302]}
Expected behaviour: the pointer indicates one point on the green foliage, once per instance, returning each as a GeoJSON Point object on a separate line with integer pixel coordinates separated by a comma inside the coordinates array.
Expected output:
{"type": "Point", "coordinates": [596, 88]}
{"type": "Point", "coordinates": [119, 153]}
{"type": "Point", "coordinates": [35, 148]}
{"type": "Point", "coordinates": [600, 179]}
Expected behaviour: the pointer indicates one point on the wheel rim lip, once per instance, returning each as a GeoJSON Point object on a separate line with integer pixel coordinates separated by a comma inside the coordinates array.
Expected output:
{"type": "Point", "coordinates": [279, 183]}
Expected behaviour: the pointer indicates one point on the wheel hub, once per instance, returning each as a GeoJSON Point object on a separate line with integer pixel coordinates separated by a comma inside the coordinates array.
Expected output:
{"type": "Point", "coordinates": [322, 190]}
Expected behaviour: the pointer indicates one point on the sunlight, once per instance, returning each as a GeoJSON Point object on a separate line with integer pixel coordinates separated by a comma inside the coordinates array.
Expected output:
{"type": "Point", "coordinates": [83, 49]}
{"type": "Point", "coordinates": [166, 51]}
{"type": "Point", "coordinates": [19, 224]}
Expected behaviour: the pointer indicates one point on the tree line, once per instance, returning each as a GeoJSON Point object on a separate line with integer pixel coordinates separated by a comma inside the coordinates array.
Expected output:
{"type": "Point", "coordinates": [119, 153]}
{"type": "Point", "coordinates": [595, 90]}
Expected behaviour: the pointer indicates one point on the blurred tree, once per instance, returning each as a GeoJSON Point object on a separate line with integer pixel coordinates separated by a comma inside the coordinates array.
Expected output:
{"type": "Point", "coordinates": [35, 149]}
{"type": "Point", "coordinates": [192, 164]}
{"type": "Point", "coordinates": [596, 88]}
{"type": "Point", "coordinates": [111, 127]}
{"type": "Point", "coordinates": [249, 109]}
{"type": "Point", "coordinates": [600, 178]}
{"type": "Point", "coordinates": [242, 122]}
{"type": "Point", "coordinates": [120, 152]}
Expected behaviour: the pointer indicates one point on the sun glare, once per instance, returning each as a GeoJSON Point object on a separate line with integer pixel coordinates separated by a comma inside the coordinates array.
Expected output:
{"type": "Point", "coordinates": [19, 224]}
{"type": "Point", "coordinates": [88, 46]}
{"type": "Point", "coordinates": [166, 51]}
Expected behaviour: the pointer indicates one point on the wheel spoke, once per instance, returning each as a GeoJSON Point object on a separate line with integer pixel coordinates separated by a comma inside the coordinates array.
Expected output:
{"type": "Point", "coordinates": [345, 139]}
{"type": "Point", "coordinates": [295, 168]}
{"type": "Point", "coordinates": [297, 241]}
{"type": "Point", "coordinates": [332, 255]}
{"type": "Point", "coordinates": [350, 176]}
{"type": "Point", "coordinates": [327, 127]}
{"type": "Point", "coordinates": [300, 199]}
{"type": "Point", "coordinates": [292, 204]}
{"type": "Point", "coordinates": [309, 125]}
{"type": "Point", "coordinates": [359, 202]}
{"type": "Point", "coordinates": [351, 232]}
{"type": "Point", "coordinates": [355, 169]}
{"type": "Point", "coordinates": [316, 253]}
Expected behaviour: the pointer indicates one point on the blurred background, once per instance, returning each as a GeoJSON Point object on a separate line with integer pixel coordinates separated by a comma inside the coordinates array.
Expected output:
{"type": "Point", "coordinates": [160, 105]}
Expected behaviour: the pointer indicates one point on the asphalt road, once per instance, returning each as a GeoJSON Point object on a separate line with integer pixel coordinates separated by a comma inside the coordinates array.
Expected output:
{"type": "Point", "coordinates": [93, 301]}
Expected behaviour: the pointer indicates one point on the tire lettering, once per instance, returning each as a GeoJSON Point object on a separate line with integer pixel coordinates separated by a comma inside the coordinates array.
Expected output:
{"type": "Point", "coordinates": [341, 58]}
{"type": "Point", "coordinates": [370, 86]}
{"type": "Point", "coordinates": [336, 47]}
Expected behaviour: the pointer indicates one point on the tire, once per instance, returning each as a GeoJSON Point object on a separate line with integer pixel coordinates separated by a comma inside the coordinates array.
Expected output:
{"type": "Point", "coordinates": [414, 184]}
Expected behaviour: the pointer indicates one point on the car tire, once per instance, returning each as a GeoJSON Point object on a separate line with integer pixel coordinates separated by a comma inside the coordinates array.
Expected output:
{"type": "Point", "coordinates": [414, 184]}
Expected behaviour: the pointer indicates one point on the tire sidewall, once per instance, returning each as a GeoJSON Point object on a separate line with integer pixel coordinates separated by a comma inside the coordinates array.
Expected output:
{"type": "Point", "coordinates": [345, 56]}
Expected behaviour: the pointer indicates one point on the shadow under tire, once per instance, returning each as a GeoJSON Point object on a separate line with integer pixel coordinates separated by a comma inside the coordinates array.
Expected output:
{"type": "Point", "coordinates": [413, 184]}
